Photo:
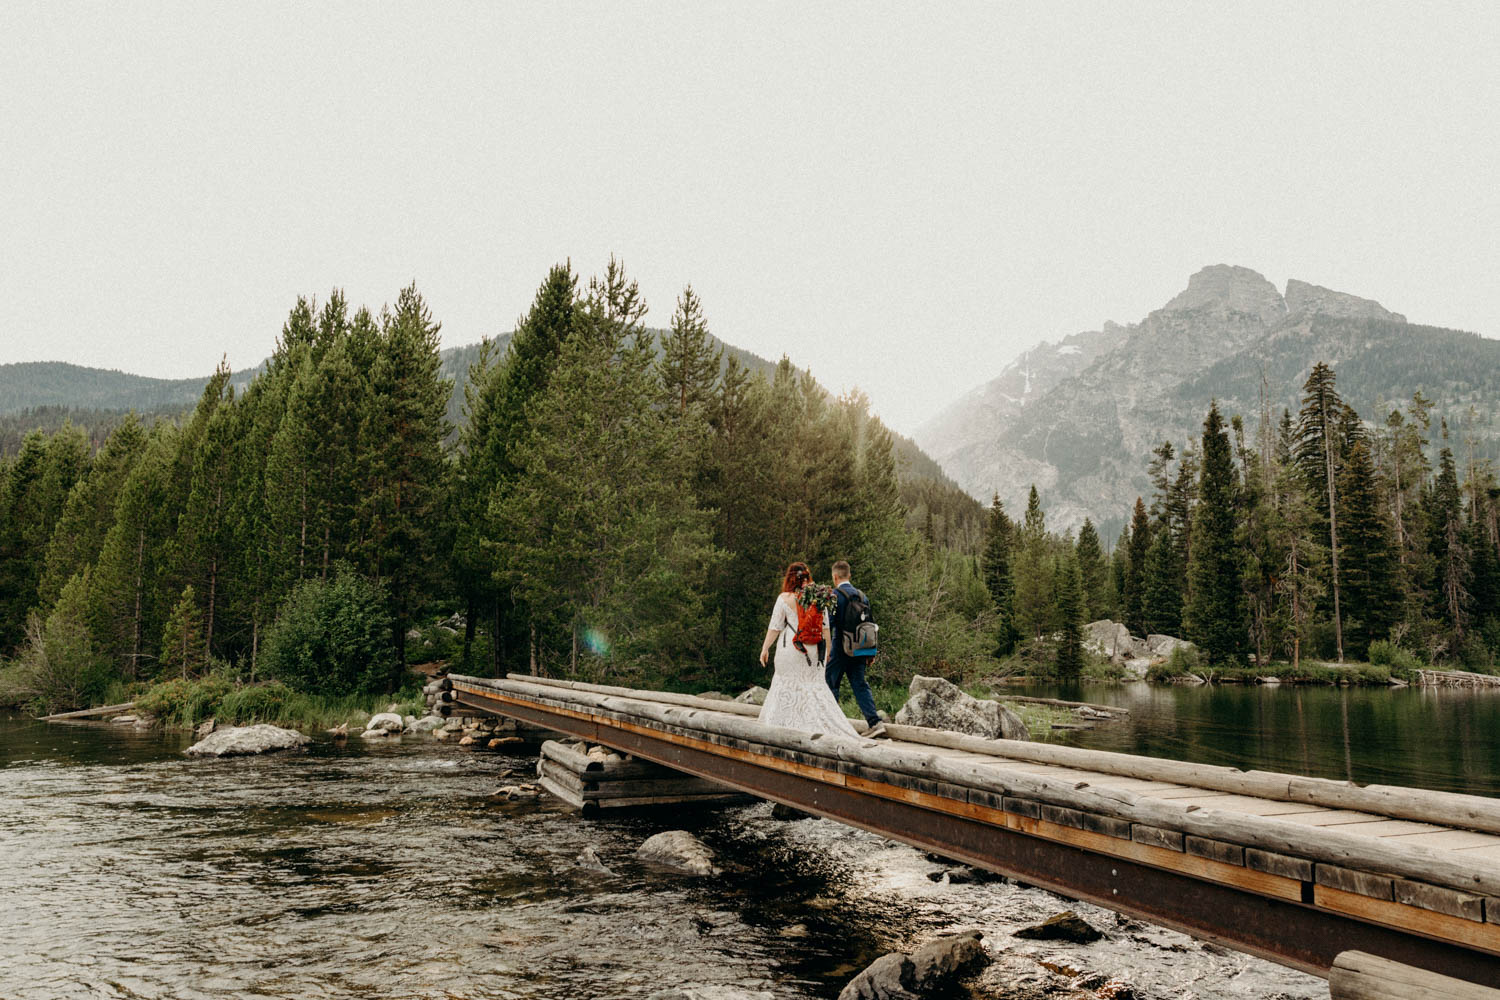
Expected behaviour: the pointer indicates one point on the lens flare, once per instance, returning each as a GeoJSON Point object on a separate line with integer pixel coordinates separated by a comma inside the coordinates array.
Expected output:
{"type": "Point", "coordinates": [596, 641]}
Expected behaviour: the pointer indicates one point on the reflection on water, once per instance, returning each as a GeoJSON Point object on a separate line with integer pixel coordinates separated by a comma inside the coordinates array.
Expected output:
{"type": "Point", "coordinates": [1431, 738]}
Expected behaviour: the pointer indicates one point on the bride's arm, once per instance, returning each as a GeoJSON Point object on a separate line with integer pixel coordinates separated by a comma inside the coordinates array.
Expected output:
{"type": "Point", "coordinates": [778, 622]}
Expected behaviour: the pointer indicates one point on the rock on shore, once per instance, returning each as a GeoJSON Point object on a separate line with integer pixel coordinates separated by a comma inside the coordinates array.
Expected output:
{"type": "Point", "coordinates": [240, 740]}
{"type": "Point", "coordinates": [936, 704]}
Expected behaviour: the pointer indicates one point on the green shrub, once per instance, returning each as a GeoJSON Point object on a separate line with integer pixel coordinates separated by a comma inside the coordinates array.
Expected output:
{"type": "Point", "coordinates": [1388, 654]}
{"type": "Point", "coordinates": [332, 637]}
{"type": "Point", "coordinates": [257, 703]}
{"type": "Point", "coordinates": [183, 704]}
{"type": "Point", "coordinates": [59, 667]}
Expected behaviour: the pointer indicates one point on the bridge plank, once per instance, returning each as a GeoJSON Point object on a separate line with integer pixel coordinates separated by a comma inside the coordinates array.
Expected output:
{"type": "Point", "coordinates": [1448, 839]}
{"type": "Point", "coordinates": [1343, 818]}
{"type": "Point", "coordinates": [1428, 923]}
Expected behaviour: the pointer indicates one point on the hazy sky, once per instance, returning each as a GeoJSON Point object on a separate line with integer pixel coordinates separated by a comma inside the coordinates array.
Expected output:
{"type": "Point", "coordinates": [900, 196]}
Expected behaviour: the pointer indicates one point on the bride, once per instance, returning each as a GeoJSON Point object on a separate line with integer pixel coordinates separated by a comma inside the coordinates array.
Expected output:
{"type": "Point", "coordinates": [799, 697]}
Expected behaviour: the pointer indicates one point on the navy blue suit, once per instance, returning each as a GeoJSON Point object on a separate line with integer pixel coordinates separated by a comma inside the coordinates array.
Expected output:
{"type": "Point", "coordinates": [840, 666]}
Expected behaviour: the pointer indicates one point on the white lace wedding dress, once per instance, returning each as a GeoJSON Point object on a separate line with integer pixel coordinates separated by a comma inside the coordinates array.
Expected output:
{"type": "Point", "coordinates": [799, 697]}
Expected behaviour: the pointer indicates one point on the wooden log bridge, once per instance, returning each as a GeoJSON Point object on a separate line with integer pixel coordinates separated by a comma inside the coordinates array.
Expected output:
{"type": "Point", "coordinates": [1293, 869]}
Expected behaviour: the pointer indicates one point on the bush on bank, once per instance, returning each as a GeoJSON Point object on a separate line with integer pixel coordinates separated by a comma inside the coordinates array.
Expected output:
{"type": "Point", "coordinates": [332, 637]}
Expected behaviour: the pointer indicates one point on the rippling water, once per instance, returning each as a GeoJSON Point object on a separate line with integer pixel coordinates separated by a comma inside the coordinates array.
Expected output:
{"type": "Point", "coordinates": [129, 871]}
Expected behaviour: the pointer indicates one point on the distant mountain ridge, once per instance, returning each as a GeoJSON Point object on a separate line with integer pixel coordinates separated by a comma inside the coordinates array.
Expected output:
{"type": "Point", "coordinates": [45, 393]}
{"type": "Point", "coordinates": [1085, 426]}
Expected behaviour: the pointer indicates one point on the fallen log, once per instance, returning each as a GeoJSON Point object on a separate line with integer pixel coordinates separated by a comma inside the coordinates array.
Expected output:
{"type": "Point", "coordinates": [84, 713]}
{"type": "Point", "coordinates": [1357, 975]}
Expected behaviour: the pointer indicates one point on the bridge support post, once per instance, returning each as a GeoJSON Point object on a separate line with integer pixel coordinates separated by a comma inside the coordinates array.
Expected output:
{"type": "Point", "coordinates": [1359, 976]}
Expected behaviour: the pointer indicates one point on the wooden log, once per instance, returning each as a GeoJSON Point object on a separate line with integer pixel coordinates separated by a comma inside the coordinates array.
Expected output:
{"type": "Point", "coordinates": [84, 713]}
{"type": "Point", "coordinates": [1327, 845]}
{"type": "Point", "coordinates": [1357, 975]}
{"type": "Point", "coordinates": [1473, 812]}
{"type": "Point", "coordinates": [561, 793]}
{"type": "Point", "coordinates": [685, 786]}
{"type": "Point", "coordinates": [1059, 703]}
{"type": "Point", "coordinates": [635, 802]}
{"type": "Point", "coordinates": [571, 759]}
{"type": "Point", "coordinates": [665, 697]}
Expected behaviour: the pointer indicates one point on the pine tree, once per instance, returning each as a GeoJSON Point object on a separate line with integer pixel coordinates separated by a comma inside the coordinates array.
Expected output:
{"type": "Point", "coordinates": [1369, 564]}
{"type": "Point", "coordinates": [1134, 596]}
{"type": "Point", "coordinates": [689, 364]}
{"type": "Point", "coordinates": [1215, 617]}
{"type": "Point", "coordinates": [998, 581]}
{"type": "Point", "coordinates": [1093, 572]}
{"type": "Point", "coordinates": [1034, 589]}
{"type": "Point", "coordinates": [182, 640]}
{"type": "Point", "coordinates": [1446, 543]}
{"type": "Point", "coordinates": [35, 494]}
{"type": "Point", "coordinates": [90, 510]}
{"type": "Point", "coordinates": [1318, 449]}
{"type": "Point", "coordinates": [1070, 614]}
{"type": "Point", "coordinates": [401, 440]}
{"type": "Point", "coordinates": [124, 596]}
{"type": "Point", "coordinates": [1161, 602]}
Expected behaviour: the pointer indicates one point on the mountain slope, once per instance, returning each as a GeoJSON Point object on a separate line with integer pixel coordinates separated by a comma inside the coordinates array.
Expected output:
{"type": "Point", "coordinates": [1086, 439]}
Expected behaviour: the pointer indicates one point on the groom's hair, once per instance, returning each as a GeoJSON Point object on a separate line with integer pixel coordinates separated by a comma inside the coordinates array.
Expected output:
{"type": "Point", "coordinates": [841, 570]}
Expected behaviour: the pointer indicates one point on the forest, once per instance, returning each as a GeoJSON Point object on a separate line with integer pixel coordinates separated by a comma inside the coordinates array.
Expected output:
{"type": "Point", "coordinates": [1320, 536]}
{"type": "Point", "coordinates": [614, 502]}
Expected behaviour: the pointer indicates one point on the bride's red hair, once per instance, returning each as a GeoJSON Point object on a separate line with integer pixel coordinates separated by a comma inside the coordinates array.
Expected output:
{"type": "Point", "coordinates": [796, 575]}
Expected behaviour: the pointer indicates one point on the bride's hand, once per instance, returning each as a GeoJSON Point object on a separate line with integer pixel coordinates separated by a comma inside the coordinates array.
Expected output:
{"type": "Point", "coordinates": [763, 654]}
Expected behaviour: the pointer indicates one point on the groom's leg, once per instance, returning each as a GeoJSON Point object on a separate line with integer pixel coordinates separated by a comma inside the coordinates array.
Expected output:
{"type": "Point", "coordinates": [863, 697]}
{"type": "Point", "coordinates": [833, 672]}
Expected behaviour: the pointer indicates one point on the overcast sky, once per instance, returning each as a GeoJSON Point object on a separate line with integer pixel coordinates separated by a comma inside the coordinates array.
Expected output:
{"type": "Point", "coordinates": [901, 197]}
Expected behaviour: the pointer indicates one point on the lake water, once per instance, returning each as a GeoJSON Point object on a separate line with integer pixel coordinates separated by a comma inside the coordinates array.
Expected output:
{"type": "Point", "coordinates": [129, 871]}
{"type": "Point", "coordinates": [1438, 738]}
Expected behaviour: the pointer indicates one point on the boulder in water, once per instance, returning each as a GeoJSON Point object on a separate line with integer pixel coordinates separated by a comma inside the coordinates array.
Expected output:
{"type": "Point", "coordinates": [1065, 926]}
{"type": "Point", "coordinates": [680, 851]}
{"type": "Point", "coordinates": [931, 967]}
{"type": "Point", "coordinates": [427, 724]}
{"type": "Point", "coordinates": [238, 740]}
{"type": "Point", "coordinates": [937, 704]}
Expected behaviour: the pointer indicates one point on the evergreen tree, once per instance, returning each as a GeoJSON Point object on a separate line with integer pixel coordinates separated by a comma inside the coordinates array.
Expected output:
{"type": "Point", "coordinates": [36, 491]}
{"type": "Point", "coordinates": [1134, 595]}
{"type": "Point", "coordinates": [401, 439]}
{"type": "Point", "coordinates": [1070, 614]}
{"type": "Point", "coordinates": [997, 573]}
{"type": "Point", "coordinates": [1446, 543]}
{"type": "Point", "coordinates": [182, 642]}
{"type": "Point", "coordinates": [1034, 588]}
{"type": "Point", "coordinates": [1161, 601]}
{"type": "Point", "coordinates": [1215, 616]}
{"type": "Point", "coordinates": [475, 476]}
{"type": "Point", "coordinates": [90, 510]}
{"type": "Point", "coordinates": [1093, 571]}
{"type": "Point", "coordinates": [1369, 564]}
{"type": "Point", "coordinates": [689, 363]}
{"type": "Point", "coordinates": [124, 597]}
{"type": "Point", "coordinates": [1318, 448]}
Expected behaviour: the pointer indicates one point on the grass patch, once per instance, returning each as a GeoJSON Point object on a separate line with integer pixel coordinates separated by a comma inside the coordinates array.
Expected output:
{"type": "Point", "coordinates": [185, 704]}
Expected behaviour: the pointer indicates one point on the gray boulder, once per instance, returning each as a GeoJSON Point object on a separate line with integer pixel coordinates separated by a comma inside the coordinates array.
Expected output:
{"type": "Point", "coordinates": [754, 696]}
{"type": "Point", "coordinates": [680, 851]}
{"type": "Point", "coordinates": [1163, 646]}
{"type": "Point", "coordinates": [1065, 926]}
{"type": "Point", "coordinates": [386, 720]}
{"type": "Point", "coordinates": [239, 740]}
{"type": "Point", "coordinates": [427, 724]}
{"type": "Point", "coordinates": [930, 968]}
{"type": "Point", "coordinates": [937, 704]}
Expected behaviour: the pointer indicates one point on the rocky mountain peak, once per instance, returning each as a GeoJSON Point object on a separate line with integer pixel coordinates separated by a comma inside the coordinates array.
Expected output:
{"type": "Point", "coordinates": [1236, 288]}
{"type": "Point", "coordinates": [1309, 299]}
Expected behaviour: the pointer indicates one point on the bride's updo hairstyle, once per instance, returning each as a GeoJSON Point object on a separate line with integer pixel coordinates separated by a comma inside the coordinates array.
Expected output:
{"type": "Point", "coordinates": [796, 575]}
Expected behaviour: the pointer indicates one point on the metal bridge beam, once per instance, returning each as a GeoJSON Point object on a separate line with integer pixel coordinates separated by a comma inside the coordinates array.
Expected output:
{"type": "Point", "coordinates": [1282, 931]}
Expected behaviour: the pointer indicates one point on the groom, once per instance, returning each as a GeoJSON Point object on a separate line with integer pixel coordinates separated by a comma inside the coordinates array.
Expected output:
{"type": "Point", "coordinates": [840, 664]}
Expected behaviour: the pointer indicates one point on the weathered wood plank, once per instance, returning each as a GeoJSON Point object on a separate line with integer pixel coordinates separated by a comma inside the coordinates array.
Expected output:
{"type": "Point", "coordinates": [1431, 897]}
{"type": "Point", "coordinates": [1348, 880]}
{"type": "Point", "coordinates": [1358, 976]}
{"type": "Point", "coordinates": [1215, 850]}
{"type": "Point", "coordinates": [1279, 864]}
{"type": "Point", "coordinates": [1155, 836]}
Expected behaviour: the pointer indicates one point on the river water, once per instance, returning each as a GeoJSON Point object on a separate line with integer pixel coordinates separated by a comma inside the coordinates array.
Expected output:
{"type": "Point", "coordinates": [130, 871]}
